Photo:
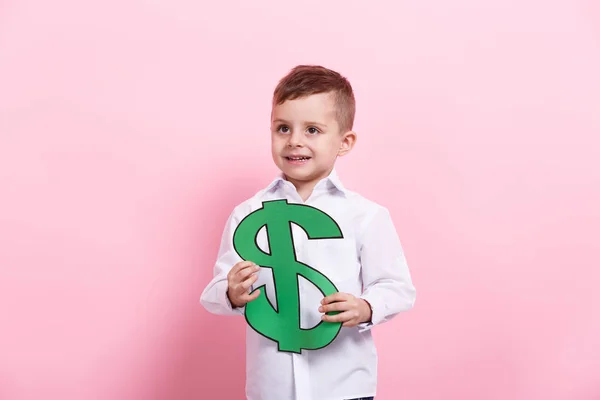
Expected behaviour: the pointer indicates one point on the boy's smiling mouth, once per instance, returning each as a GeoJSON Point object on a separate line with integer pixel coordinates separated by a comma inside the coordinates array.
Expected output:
{"type": "Point", "coordinates": [297, 159]}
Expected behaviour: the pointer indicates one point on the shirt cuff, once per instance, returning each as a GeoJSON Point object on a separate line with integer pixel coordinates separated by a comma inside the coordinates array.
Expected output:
{"type": "Point", "coordinates": [364, 326]}
{"type": "Point", "coordinates": [375, 313]}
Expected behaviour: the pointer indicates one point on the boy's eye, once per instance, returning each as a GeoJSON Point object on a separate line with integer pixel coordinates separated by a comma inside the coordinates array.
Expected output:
{"type": "Point", "coordinates": [313, 131]}
{"type": "Point", "coordinates": [283, 129]}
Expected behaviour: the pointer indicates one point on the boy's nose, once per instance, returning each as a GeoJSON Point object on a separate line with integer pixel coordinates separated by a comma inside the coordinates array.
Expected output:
{"type": "Point", "coordinates": [295, 140]}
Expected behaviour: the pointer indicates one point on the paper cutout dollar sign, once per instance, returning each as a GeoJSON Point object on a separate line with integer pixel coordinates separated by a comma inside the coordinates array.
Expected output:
{"type": "Point", "coordinates": [283, 325]}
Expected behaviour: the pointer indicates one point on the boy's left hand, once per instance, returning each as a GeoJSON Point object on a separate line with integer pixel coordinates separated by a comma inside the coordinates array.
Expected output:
{"type": "Point", "coordinates": [352, 310]}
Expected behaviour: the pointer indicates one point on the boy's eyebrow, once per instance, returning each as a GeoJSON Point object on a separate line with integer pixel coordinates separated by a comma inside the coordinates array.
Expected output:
{"type": "Point", "coordinates": [315, 123]}
{"type": "Point", "coordinates": [283, 121]}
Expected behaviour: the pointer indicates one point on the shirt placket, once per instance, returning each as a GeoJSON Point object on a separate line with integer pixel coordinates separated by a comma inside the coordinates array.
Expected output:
{"type": "Point", "coordinates": [301, 367]}
{"type": "Point", "coordinates": [301, 374]}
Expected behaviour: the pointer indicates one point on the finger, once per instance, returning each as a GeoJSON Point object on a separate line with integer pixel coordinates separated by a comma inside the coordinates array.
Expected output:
{"type": "Point", "coordinates": [243, 271]}
{"type": "Point", "coordinates": [246, 272]}
{"type": "Point", "coordinates": [241, 265]}
{"type": "Point", "coordinates": [242, 288]}
{"type": "Point", "coordinates": [249, 297]}
{"type": "Point", "coordinates": [234, 270]}
{"type": "Point", "coordinates": [337, 306]}
{"type": "Point", "coordinates": [248, 282]}
{"type": "Point", "coordinates": [351, 323]}
{"type": "Point", "coordinates": [341, 317]}
{"type": "Point", "coordinates": [338, 296]}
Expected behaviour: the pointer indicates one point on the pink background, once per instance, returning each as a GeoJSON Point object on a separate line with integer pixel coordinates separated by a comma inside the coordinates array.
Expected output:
{"type": "Point", "coordinates": [129, 129]}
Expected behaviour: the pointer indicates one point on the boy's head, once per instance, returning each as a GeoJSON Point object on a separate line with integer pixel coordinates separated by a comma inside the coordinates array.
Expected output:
{"type": "Point", "coordinates": [311, 122]}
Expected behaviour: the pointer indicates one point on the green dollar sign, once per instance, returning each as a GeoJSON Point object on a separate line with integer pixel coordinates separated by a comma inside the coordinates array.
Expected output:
{"type": "Point", "coordinates": [283, 325]}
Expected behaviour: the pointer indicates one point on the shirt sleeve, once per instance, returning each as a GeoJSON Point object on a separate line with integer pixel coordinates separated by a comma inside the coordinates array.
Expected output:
{"type": "Point", "coordinates": [387, 282]}
{"type": "Point", "coordinates": [214, 296]}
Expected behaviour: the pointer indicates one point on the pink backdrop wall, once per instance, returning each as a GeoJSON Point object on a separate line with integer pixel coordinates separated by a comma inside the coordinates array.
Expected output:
{"type": "Point", "coordinates": [129, 129]}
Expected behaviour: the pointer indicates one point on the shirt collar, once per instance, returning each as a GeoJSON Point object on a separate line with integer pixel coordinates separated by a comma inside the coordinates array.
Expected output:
{"type": "Point", "coordinates": [331, 181]}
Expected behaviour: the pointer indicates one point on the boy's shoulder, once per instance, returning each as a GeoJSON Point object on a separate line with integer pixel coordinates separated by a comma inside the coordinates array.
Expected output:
{"type": "Point", "coordinates": [250, 203]}
{"type": "Point", "coordinates": [364, 201]}
{"type": "Point", "coordinates": [366, 209]}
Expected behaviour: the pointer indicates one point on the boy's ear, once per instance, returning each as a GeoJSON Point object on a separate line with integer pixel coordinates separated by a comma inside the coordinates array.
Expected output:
{"type": "Point", "coordinates": [348, 142]}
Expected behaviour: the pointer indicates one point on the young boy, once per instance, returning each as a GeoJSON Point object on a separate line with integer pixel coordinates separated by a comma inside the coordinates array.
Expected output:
{"type": "Point", "coordinates": [311, 126]}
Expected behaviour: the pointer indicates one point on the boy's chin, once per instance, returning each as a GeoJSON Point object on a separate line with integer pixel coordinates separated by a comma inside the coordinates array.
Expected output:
{"type": "Point", "coordinates": [297, 176]}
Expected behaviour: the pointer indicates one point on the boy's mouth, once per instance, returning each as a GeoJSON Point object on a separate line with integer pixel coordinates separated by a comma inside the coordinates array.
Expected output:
{"type": "Point", "coordinates": [297, 160]}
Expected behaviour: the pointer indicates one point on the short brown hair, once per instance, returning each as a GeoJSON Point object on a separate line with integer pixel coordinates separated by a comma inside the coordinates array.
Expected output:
{"type": "Point", "coordinates": [304, 80]}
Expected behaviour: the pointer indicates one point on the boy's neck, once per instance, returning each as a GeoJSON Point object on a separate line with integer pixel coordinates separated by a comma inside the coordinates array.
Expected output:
{"type": "Point", "coordinates": [305, 188]}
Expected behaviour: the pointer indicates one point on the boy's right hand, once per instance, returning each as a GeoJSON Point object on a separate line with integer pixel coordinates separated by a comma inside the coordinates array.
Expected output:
{"type": "Point", "coordinates": [239, 279]}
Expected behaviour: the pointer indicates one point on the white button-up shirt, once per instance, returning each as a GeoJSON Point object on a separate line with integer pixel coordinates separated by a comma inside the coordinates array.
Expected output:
{"type": "Point", "coordinates": [368, 262]}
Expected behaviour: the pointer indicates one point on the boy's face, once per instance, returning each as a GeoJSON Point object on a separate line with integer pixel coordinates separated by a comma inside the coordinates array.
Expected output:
{"type": "Point", "coordinates": [306, 138]}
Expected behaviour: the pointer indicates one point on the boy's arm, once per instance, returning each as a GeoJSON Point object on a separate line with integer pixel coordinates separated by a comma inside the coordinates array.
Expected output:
{"type": "Point", "coordinates": [387, 283]}
{"type": "Point", "coordinates": [214, 297]}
